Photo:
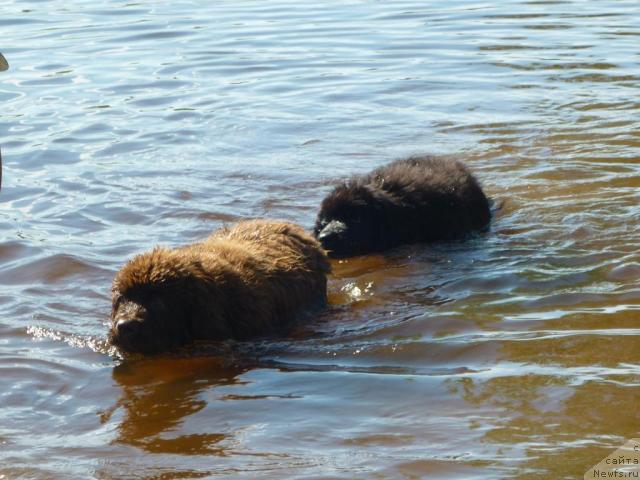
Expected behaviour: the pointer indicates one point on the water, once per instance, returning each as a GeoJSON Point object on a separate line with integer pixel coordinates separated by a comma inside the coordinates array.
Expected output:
{"type": "Point", "coordinates": [514, 355]}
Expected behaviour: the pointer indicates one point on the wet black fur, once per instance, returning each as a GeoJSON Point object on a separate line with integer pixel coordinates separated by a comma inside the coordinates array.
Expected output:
{"type": "Point", "coordinates": [418, 199]}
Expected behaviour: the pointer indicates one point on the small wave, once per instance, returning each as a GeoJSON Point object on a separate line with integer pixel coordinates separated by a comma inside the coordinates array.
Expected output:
{"type": "Point", "coordinates": [98, 345]}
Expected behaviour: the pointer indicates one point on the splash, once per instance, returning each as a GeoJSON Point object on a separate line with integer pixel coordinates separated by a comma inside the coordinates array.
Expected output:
{"type": "Point", "coordinates": [355, 293]}
{"type": "Point", "coordinates": [96, 344]}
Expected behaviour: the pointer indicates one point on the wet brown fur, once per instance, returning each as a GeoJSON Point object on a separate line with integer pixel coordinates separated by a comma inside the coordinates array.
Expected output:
{"type": "Point", "coordinates": [244, 281]}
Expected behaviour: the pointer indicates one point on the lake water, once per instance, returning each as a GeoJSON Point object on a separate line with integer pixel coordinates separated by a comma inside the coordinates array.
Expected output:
{"type": "Point", "coordinates": [513, 355]}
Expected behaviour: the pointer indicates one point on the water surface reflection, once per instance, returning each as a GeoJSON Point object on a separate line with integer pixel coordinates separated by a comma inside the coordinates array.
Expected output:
{"type": "Point", "coordinates": [512, 355]}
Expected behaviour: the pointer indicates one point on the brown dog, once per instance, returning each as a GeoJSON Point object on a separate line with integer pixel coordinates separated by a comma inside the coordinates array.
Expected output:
{"type": "Point", "coordinates": [242, 282]}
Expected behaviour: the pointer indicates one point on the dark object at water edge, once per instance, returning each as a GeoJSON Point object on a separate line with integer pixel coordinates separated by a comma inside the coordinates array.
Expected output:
{"type": "Point", "coordinates": [418, 199]}
{"type": "Point", "coordinates": [249, 280]}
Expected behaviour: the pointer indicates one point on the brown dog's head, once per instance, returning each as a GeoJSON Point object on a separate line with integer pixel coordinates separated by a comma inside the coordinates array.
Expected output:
{"type": "Point", "coordinates": [150, 311]}
{"type": "Point", "coordinates": [145, 323]}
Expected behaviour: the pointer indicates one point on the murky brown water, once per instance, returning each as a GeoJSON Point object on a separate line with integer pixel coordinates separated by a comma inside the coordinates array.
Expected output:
{"type": "Point", "coordinates": [514, 355]}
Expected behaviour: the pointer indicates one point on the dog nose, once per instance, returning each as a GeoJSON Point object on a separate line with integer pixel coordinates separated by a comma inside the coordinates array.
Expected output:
{"type": "Point", "coordinates": [332, 235]}
{"type": "Point", "coordinates": [332, 231]}
{"type": "Point", "coordinates": [127, 328]}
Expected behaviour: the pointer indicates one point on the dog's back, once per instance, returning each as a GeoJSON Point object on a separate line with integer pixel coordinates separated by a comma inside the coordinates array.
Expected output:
{"type": "Point", "coordinates": [245, 281]}
{"type": "Point", "coordinates": [418, 199]}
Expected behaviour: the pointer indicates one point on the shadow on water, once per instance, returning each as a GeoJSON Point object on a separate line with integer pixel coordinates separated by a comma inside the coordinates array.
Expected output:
{"type": "Point", "coordinates": [158, 396]}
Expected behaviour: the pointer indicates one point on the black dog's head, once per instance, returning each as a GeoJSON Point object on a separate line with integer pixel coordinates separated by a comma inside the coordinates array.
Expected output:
{"type": "Point", "coordinates": [350, 220]}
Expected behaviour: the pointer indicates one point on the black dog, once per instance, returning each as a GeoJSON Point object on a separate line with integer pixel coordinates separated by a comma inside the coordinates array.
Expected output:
{"type": "Point", "coordinates": [418, 199]}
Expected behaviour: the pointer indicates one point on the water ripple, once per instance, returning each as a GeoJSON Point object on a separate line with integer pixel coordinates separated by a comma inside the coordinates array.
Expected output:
{"type": "Point", "coordinates": [510, 355]}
